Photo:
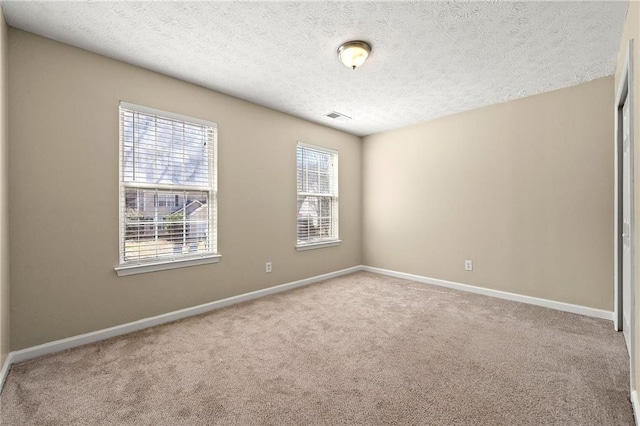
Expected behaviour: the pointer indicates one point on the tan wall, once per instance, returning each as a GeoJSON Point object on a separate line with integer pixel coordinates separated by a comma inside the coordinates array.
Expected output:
{"type": "Point", "coordinates": [4, 192]}
{"type": "Point", "coordinates": [64, 194]}
{"type": "Point", "coordinates": [524, 189]}
{"type": "Point", "coordinates": [632, 31]}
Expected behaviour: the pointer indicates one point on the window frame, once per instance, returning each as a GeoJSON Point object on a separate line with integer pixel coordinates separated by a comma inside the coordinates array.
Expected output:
{"type": "Point", "coordinates": [130, 267]}
{"type": "Point", "coordinates": [335, 200]}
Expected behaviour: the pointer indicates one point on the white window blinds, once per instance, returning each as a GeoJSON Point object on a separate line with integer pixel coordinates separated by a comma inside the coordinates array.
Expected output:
{"type": "Point", "coordinates": [317, 178]}
{"type": "Point", "coordinates": [167, 186]}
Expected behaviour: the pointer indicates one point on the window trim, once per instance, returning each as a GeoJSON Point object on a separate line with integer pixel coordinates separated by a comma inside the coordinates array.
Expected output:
{"type": "Point", "coordinates": [302, 246]}
{"type": "Point", "coordinates": [313, 246]}
{"type": "Point", "coordinates": [139, 267]}
{"type": "Point", "coordinates": [142, 268]}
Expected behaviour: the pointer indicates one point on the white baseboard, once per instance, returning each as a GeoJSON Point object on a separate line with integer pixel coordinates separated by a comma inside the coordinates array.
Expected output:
{"type": "Point", "coordinates": [5, 370]}
{"type": "Point", "coordinates": [561, 306]}
{"type": "Point", "coordinates": [95, 336]}
{"type": "Point", "coordinates": [636, 406]}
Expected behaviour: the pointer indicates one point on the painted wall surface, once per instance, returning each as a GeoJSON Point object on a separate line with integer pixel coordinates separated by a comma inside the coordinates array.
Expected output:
{"type": "Point", "coordinates": [4, 201]}
{"type": "Point", "coordinates": [632, 31]}
{"type": "Point", "coordinates": [523, 188]}
{"type": "Point", "coordinates": [64, 194]}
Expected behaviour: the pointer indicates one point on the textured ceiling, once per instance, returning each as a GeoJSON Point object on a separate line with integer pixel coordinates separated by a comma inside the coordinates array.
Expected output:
{"type": "Point", "coordinates": [429, 59]}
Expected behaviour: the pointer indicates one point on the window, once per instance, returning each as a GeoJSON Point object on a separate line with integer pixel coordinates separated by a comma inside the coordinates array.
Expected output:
{"type": "Point", "coordinates": [167, 190]}
{"type": "Point", "coordinates": [317, 197]}
{"type": "Point", "coordinates": [165, 200]}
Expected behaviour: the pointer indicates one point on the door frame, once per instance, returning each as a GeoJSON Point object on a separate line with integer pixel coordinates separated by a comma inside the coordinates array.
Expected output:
{"type": "Point", "coordinates": [624, 93]}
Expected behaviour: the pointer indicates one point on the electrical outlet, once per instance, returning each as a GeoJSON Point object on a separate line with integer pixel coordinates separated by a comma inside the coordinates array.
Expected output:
{"type": "Point", "coordinates": [268, 267]}
{"type": "Point", "coordinates": [468, 265]}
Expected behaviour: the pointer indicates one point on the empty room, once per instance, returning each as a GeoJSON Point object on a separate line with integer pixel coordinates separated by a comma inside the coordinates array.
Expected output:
{"type": "Point", "coordinates": [318, 212]}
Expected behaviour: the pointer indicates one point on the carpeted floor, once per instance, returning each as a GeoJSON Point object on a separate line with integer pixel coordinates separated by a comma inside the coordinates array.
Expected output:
{"type": "Point", "coordinates": [359, 349]}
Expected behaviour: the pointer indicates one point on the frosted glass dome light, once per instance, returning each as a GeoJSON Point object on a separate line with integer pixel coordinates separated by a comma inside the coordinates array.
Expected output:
{"type": "Point", "coordinates": [353, 53]}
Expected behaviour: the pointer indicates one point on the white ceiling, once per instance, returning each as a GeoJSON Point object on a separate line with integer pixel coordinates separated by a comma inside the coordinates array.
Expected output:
{"type": "Point", "coordinates": [429, 59]}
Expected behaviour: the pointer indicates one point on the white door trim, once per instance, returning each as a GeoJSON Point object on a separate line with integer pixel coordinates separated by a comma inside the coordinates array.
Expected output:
{"type": "Point", "coordinates": [624, 93]}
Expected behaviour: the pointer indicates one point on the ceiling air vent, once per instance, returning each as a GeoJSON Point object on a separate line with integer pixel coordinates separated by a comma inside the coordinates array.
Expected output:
{"type": "Point", "coordinates": [338, 116]}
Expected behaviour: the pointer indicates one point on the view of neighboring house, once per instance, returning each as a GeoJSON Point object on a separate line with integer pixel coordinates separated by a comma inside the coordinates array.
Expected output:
{"type": "Point", "coordinates": [178, 218]}
{"type": "Point", "coordinates": [152, 202]}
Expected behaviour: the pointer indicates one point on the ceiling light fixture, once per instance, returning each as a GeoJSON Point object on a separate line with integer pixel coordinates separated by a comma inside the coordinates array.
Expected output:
{"type": "Point", "coordinates": [354, 53]}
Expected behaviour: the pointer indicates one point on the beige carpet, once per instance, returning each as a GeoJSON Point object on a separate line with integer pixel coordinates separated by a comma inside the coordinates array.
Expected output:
{"type": "Point", "coordinates": [360, 349]}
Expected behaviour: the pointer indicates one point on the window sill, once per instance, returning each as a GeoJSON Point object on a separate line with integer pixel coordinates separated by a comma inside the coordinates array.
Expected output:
{"type": "Point", "coordinates": [312, 246]}
{"type": "Point", "coordinates": [142, 268]}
